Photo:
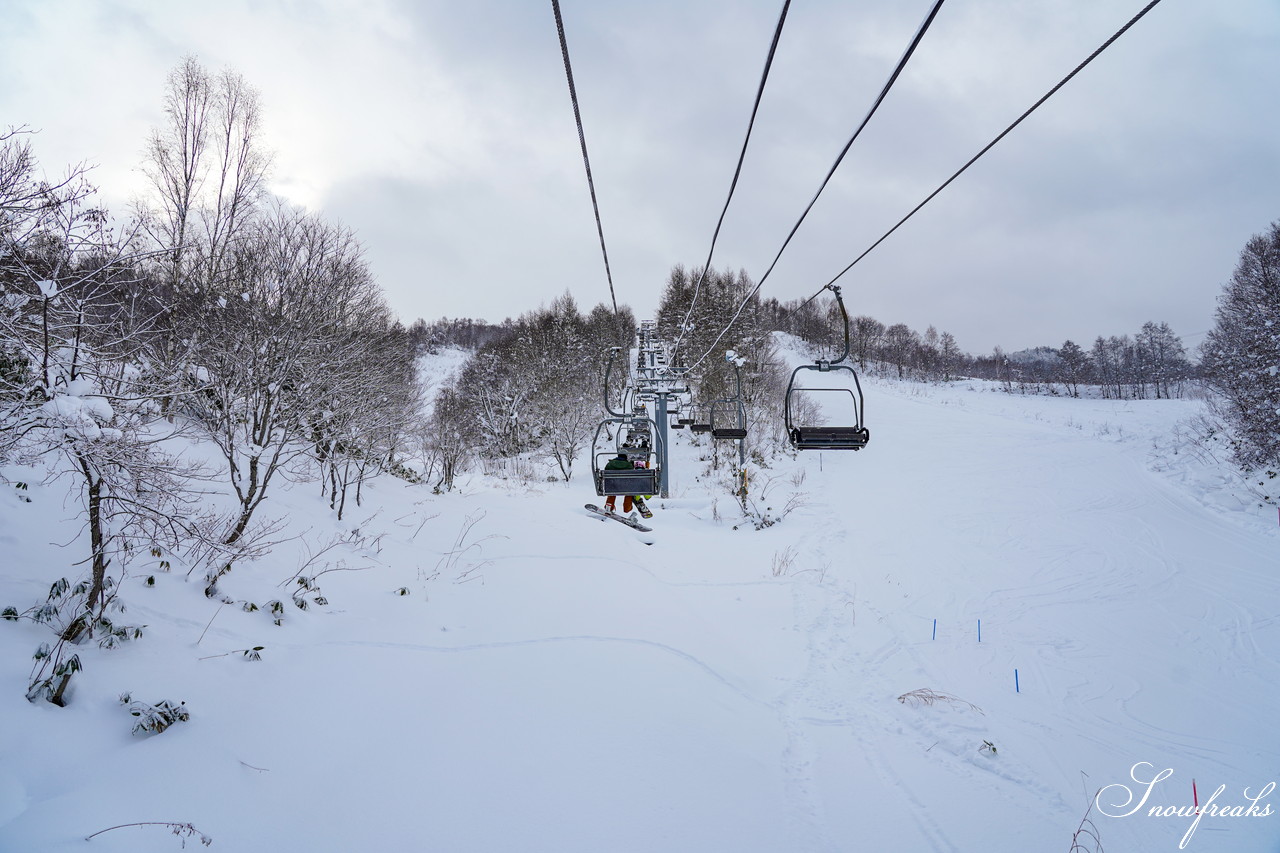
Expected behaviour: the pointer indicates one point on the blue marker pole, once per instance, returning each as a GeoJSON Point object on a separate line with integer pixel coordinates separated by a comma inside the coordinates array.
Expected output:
{"type": "Point", "coordinates": [1016, 687]}
{"type": "Point", "coordinates": [979, 630]}
{"type": "Point", "coordinates": [935, 629]}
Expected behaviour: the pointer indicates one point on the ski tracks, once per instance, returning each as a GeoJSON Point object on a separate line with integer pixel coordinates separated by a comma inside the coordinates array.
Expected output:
{"type": "Point", "coordinates": [837, 688]}
{"type": "Point", "coordinates": [849, 779]}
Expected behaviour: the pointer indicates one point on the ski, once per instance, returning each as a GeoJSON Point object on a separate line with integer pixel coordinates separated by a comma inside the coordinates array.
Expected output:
{"type": "Point", "coordinates": [616, 517]}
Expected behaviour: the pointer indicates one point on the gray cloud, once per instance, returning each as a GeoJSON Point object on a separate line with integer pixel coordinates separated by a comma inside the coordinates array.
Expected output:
{"type": "Point", "coordinates": [442, 133]}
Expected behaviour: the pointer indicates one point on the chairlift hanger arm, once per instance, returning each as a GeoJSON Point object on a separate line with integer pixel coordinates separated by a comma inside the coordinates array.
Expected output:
{"type": "Point", "coordinates": [844, 315]}
{"type": "Point", "coordinates": [608, 372]}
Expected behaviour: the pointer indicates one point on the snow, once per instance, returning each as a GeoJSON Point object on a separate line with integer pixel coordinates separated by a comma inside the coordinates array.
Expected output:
{"type": "Point", "coordinates": [554, 682]}
{"type": "Point", "coordinates": [435, 370]}
{"type": "Point", "coordinates": [80, 416]}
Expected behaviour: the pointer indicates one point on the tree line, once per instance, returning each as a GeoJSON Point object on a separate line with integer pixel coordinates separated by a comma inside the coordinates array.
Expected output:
{"type": "Point", "coordinates": [536, 389]}
{"type": "Point", "coordinates": [1151, 364]}
{"type": "Point", "coordinates": [216, 312]}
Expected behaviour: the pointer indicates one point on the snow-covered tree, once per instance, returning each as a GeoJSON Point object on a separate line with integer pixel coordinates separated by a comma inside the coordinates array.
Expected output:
{"type": "Point", "coordinates": [1163, 358]}
{"type": "Point", "coordinates": [1242, 351]}
{"type": "Point", "coordinates": [75, 325]}
{"type": "Point", "coordinates": [280, 339]}
{"type": "Point", "coordinates": [1074, 368]}
{"type": "Point", "coordinates": [536, 391]}
{"type": "Point", "coordinates": [899, 343]}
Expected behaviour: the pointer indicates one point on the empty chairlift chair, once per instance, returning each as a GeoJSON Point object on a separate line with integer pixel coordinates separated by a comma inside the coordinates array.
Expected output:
{"type": "Point", "coordinates": [701, 420]}
{"type": "Point", "coordinates": [847, 431]}
{"type": "Point", "coordinates": [728, 419]}
{"type": "Point", "coordinates": [676, 417]}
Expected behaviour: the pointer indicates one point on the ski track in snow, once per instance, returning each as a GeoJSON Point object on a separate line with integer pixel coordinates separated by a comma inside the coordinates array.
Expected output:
{"type": "Point", "coordinates": [680, 654]}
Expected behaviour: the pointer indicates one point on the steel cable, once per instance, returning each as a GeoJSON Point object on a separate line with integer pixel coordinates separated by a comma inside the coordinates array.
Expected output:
{"type": "Point", "coordinates": [884, 91]}
{"type": "Point", "coordinates": [706, 268]}
{"type": "Point", "coordinates": [582, 140]}
{"type": "Point", "coordinates": [1002, 135]}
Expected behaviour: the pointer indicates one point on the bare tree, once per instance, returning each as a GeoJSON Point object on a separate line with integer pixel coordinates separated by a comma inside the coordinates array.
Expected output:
{"type": "Point", "coordinates": [1164, 358]}
{"type": "Point", "coordinates": [867, 334]}
{"type": "Point", "coordinates": [240, 168]}
{"type": "Point", "coordinates": [899, 343]}
{"type": "Point", "coordinates": [365, 409]}
{"type": "Point", "coordinates": [275, 334]}
{"type": "Point", "coordinates": [950, 357]}
{"type": "Point", "coordinates": [176, 163]}
{"type": "Point", "coordinates": [448, 440]}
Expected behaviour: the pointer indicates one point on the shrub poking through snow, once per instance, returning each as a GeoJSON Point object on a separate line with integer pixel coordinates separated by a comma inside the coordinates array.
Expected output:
{"type": "Point", "coordinates": [925, 696]}
{"type": "Point", "coordinates": [53, 669]}
{"type": "Point", "coordinates": [182, 830]}
{"type": "Point", "coordinates": [155, 718]}
{"type": "Point", "coordinates": [1086, 838]}
{"type": "Point", "coordinates": [308, 586]}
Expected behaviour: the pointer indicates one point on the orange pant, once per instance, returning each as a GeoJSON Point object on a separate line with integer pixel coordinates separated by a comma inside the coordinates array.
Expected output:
{"type": "Point", "coordinates": [626, 502]}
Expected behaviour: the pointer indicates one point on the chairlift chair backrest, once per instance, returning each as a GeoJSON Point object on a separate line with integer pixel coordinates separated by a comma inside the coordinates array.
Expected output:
{"type": "Point", "coordinates": [625, 481]}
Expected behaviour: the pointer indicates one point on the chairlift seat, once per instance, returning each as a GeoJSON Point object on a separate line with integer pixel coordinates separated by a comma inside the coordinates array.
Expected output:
{"type": "Point", "coordinates": [699, 427]}
{"type": "Point", "coordinates": [728, 432]}
{"type": "Point", "coordinates": [829, 438]}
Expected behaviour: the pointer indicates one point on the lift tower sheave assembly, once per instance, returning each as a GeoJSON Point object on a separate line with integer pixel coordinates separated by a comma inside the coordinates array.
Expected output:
{"type": "Point", "coordinates": [656, 383]}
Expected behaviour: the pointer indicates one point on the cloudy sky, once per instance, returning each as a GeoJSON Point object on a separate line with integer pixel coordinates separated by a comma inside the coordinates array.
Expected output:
{"type": "Point", "coordinates": [442, 133]}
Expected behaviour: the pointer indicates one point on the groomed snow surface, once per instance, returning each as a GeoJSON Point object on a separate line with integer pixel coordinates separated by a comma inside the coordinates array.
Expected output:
{"type": "Point", "coordinates": [555, 682]}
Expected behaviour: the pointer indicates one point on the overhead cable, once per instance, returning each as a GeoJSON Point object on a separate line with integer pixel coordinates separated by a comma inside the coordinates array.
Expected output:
{"type": "Point", "coordinates": [582, 139]}
{"type": "Point", "coordinates": [893, 78]}
{"type": "Point", "coordinates": [706, 268]}
{"type": "Point", "coordinates": [1002, 135]}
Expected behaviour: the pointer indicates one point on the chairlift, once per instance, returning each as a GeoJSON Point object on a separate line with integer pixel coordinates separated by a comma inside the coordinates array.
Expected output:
{"type": "Point", "coordinates": [699, 419]}
{"type": "Point", "coordinates": [676, 413]}
{"type": "Point", "coordinates": [729, 416]}
{"type": "Point", "coordinates": [849, 433]}
{"type": "Point", "coordinates": [632, 438]}
{"type": "Point", "coordinates": [728, 419]}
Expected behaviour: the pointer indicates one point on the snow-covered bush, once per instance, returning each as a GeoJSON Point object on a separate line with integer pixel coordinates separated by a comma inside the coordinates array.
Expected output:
{"type": "Point", "coordinates": [154, 719]}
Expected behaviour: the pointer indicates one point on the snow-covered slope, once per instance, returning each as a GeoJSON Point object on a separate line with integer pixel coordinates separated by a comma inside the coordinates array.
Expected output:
{"type": "Point", "coordinates": [553, 682]}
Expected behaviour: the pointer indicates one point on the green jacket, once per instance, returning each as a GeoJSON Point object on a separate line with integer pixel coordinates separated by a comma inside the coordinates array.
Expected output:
{"type": "Point", "coordinates": [619, 463]}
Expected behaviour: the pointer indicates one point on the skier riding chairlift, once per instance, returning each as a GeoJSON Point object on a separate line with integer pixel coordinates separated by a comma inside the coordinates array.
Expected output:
{"type": "Point", "coordinates": [633, 454]}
